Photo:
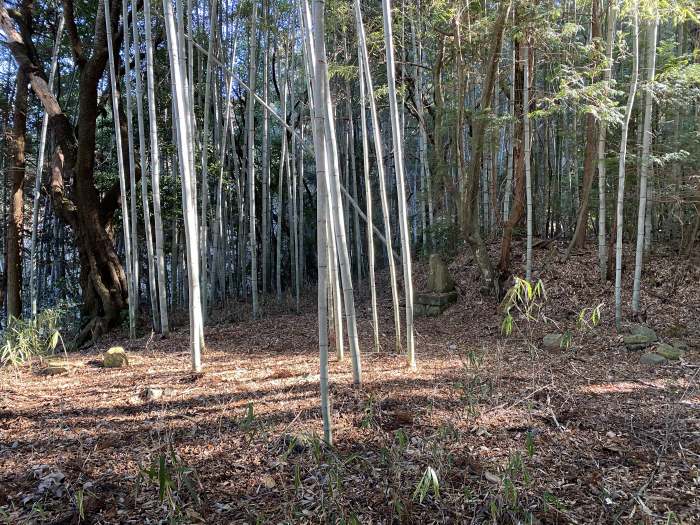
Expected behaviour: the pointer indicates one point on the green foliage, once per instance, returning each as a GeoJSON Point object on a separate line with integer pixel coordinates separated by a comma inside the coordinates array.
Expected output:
{"type": "Point", "coordinates": [445, 237]}
{"type": "Point", "coordinates": [589, 318]}
{"type": "Point", "coordinates": [24, 340]}
{"type": "Point", "coordinates": [523, 300]}
{"type": "Point", "coordinates": [342, 71]}
{"type": "Point", "coordinates": [248, 423]}
{"type": "Point", "coordinates": [514, 501]}
{"type": "Point", "coordinates": [369, 417]}
{"type": "Point", "coordinates": [177, 482]}
{"type": "Point", "coordinates": [474, 388]}
{"type": "Point", "coordinates": [428, 484]}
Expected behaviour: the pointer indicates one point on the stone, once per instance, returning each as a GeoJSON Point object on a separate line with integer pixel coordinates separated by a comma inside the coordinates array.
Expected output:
{"type": "Point", "coordinates": [643, 330]}
{"type": "Point", "coordinates": [652, 359]}
{"type": "Point", "coordinates": [56, 368]}
{"type": "Point", "coordinates": [552, 341]}
{"type": "Point", "coordinates": [115, 357]}
{"type": "Point", "coordinates": [669, 352]}
{"type": "Point", "coordinates": [432, 304]}
{"type": "Point", "coordinates": [153, 394]}
{"type": "Point", "coordinates": [436, 299]}
{"type": "Point", "coordinates": [439, 278]}
{"type": "Point", "coordinates": [681, 346]}
{"type": "Point", "coordinates": [638, 341]}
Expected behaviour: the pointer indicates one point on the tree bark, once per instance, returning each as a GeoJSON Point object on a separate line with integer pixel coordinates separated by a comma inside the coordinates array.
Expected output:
{"type": "Point", "coordinates": [90, 216]}
{"type": "Point", "coordinates": [470, 207]}
{"type": "Point", "coordinates": [518, 208]}
{"type": "Point", "coordinates": [16, 217]}
{"type": "Point", "coordinates": [578, 239]}
{"type": "Point", "coordinates": [619, 217]}
{"type": "Point", "coordinates": [643, 211]}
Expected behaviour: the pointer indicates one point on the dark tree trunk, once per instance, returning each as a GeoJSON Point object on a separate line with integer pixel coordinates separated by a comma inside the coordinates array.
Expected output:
{"type": "Point", "coordinates": [578, 240]}
{"type": "Point", "coordinates": [16, 216]}
{"type": "Point", "coordinates": [516, 212]}
{"type": "Point", "coordinates": [89, 215]}
{"type": "Point", "coordinates": [470, 207]}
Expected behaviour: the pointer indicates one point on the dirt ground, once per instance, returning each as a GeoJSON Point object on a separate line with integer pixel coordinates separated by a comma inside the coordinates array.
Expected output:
{"type": "Point", "coordinates": [513, 433]}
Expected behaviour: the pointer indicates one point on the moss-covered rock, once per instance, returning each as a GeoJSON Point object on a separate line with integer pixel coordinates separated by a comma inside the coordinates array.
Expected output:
{"type": "Point", "coordinates": [681, 346]}
{"type": "Point", "coordinates": [439, 279]}
{"type": "Point", "coordinates": [669, 352]}
{"type": "Point", "coordinates": [652, 359]}
{"type": "Point", "coordinates": [638, 341]}
{"type": "Point", "coordinates": [115, 357]}
{"type": "Point", "coordinates": [643, 330]}
{"type": "Point", "coordinates": [56, 368]}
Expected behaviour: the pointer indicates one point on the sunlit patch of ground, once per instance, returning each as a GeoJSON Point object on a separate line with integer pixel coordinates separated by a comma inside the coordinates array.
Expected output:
{"type": "Point", "coordinates": [577, 436]}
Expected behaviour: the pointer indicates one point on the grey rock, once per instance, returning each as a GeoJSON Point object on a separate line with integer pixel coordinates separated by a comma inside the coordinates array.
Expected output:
{"type": "Point", "coordinates": [552, 341]}
{"type": "Point", "coordinates": [653, 359]}
{"type": "Point", "coordinates": [56, 368]}
{"type": "Point", "coordinates": [643, 330]}
{"type": "Point", "coordinates": [680, 346]}
{"type": "Point", "coordinates": [153, 394]}
{"type": "Point", "coordinates": [439, 278]}
{"type": "Point", "coordinates": [638, 341]}
{"type": "Point", "coordinates": [669, 352]}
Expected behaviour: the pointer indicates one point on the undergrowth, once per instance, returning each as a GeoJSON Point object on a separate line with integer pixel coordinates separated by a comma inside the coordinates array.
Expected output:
{"type": "Point", "coordinates": [24, 340]}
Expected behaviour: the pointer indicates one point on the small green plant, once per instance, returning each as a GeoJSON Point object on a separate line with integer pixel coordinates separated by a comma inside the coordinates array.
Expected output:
{"type": "Point", "coordinates": [428, 484]}
{"type": "Point", "coordinates": [369, 417]}
{"type": "Point", "coordinates": [24, 340]}
{"type": "Point", "coordinates": [589, 318]}
{"type": "Point", "coordinates": [515, 501]}
{"type": "Point", "coordinates": [474, 387]}
{"type": "Point", "coordinates": [523, 300]}
{"type": "Point", "coordinates": [177, 482]}
{"type": "Point", "coordinates": [523, 307]}
{"type": "Point", "coordinates": [79, 497]}
{"type": "Point", "coordinates": [401, 439]}
{"type": "Point", "coordinates": [249, 418]}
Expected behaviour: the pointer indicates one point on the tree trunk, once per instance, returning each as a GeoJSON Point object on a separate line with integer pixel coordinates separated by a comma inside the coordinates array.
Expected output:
{"type": "Point", "coordinates": [526, 148]}
{"type": "Point", "coordinates": [16, 217]}
{"type": "Point", "coordinates": [155, 171]}
{"type": "Point", "coordinates": [642, 214]}
{"type": "Point", "coordinates": [518, 207]}
{"type": "Point", "coordinates": [102, 278]}
{"type": "Point", "coordinates": [189, 204]}
{"type": "Point", "coordinates": [368, 203]}
{"type": "Point", "coordinates": [619, 217]}
{"type": "Point", "coordinates": [602, 209]}
{"type": "Point", "coordinates": [379, 156]}
{"type": "Point", "coordinates": [470, 208]}
{"type": "Point", "coordinates": [579, 237]}
{"type": "Point", "coordinates": [33, 284]}
{"type": "Point", "coordinates": [397, 140]}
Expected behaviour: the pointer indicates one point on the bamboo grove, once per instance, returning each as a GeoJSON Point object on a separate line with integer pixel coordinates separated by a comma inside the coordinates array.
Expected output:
{"type": "Point", "coordinates": [160, 157]}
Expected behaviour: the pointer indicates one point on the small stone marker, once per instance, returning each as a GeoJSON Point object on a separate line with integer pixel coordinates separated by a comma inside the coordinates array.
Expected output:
{"type": "Point", "coordinates": [640, 337]}
{"type": "Point", "coordinates": [439, 278]}
{"type": "Point", "coordinates": [552, 341]}
{"type": "Point", "coordinates": [115, 357]}
{"type": "Point", "coordinates": [441, 293]}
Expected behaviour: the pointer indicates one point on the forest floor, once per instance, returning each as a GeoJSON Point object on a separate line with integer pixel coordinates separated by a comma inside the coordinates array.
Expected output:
{"type": "Point", "coordinates": [514, 433]}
